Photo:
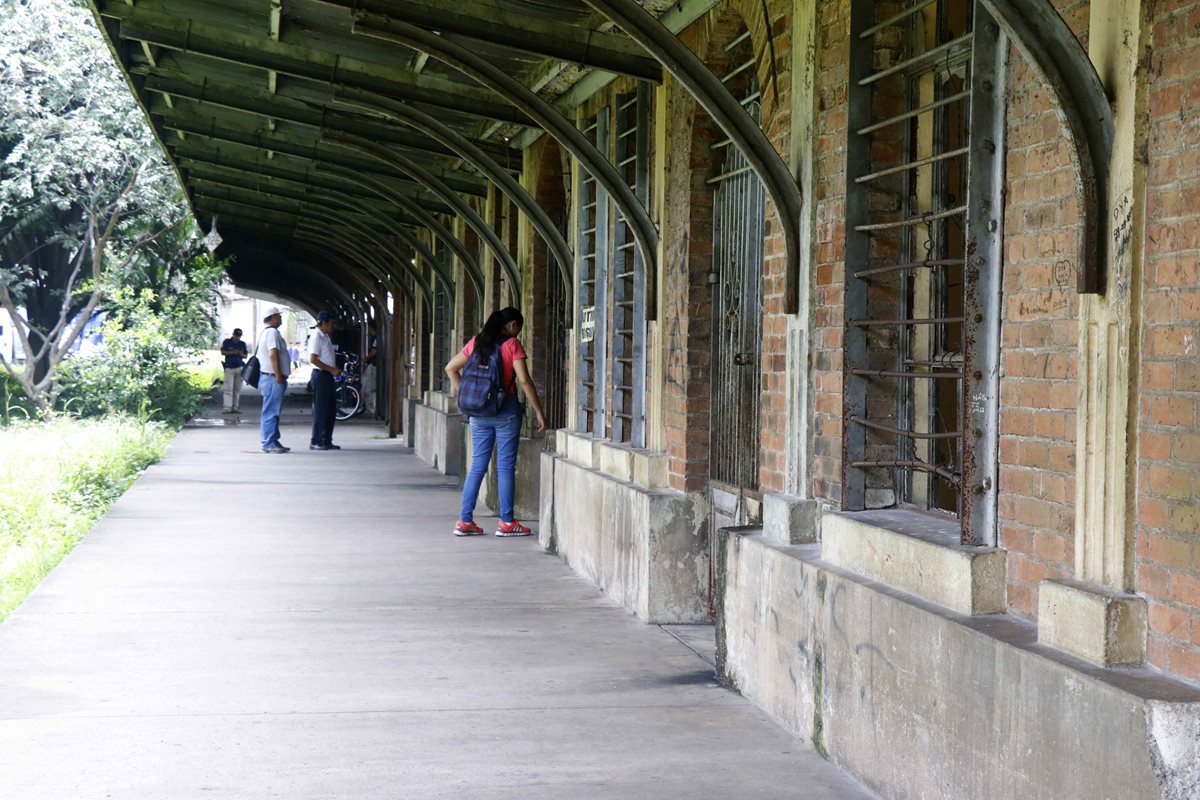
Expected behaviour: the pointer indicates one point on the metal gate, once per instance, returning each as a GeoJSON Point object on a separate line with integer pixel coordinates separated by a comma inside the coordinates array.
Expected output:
{"type": "Point", "coordinates": [443, 321]}
{"type": "Point", "coordinates": [555, 399]}
{"type": "Point", "coordinates": [736, 278]}
{"type": "Point", "coordinates": [591, 272]}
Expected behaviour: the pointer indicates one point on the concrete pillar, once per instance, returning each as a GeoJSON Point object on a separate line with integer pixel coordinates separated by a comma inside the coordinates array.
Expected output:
{"type": "Point", "coordinates": [1095, 617]}
{"type": "Point", "coordinates": [802, 146]}
{"type": "Point", "coordinates": [397, 359]}
{"type": "Point", "coordinates": [1109, 324]}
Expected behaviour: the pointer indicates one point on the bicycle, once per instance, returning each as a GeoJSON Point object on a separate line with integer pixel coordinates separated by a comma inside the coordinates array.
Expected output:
{"type": "Point", "coordinates": [347, 394]}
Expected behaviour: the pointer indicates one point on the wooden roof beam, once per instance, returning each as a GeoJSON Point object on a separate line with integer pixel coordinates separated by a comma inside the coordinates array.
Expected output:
{"type": "Point", "coordinates": [540, 37]}
{"type": "Point", "coordinates": [261, 52]}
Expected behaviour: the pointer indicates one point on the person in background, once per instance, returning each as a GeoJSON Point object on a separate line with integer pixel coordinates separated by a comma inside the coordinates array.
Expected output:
{"type": "Point", "coordinates": [368, 379]}
{"type": "Point", "coordinates": [234, 351]}
{"type": "Point", "coordinates": [324, 361]}
{"type": "Point", "coordinates": [504, 429]}
{"type": "Point", "coordinates": [276, 366]}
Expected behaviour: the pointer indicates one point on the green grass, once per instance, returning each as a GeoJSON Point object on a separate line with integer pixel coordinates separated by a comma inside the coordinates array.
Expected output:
{"type": "Point", "coordinates": [203, 379]}
{"type": "Point", "coordinates": [56, 479]}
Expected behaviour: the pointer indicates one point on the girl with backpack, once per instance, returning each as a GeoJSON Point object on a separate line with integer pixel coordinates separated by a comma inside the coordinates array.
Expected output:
{"type": "Point", "coordinates": [484, 376]}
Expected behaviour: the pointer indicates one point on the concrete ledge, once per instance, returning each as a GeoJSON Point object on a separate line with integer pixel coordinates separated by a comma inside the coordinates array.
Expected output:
{"type": "Point", "coordinates": [615, 460]}
{"type": "Point", "coordinates": [438, 439]}
{"type": "Point", "coordinates": [647, 549]}
{"type": "Point", "coordinates": [650, 469]}
{"type": "Point", "coordinates": [919, 554]}
{"type": "Point", "coordinates": [791, 520]}
{"type": "Point", "coordinates": [408, 407]}
{"type": "Point", "coordinates": [1104, 627]}
{"type": "Point", "coordinates": [647, 468]}
{"type": "Point", "coordinates": [441, 401]}
{"type": "Point", "coordinates": [578, 447]}
{"type": "Point", "coordinates": [920, 702]}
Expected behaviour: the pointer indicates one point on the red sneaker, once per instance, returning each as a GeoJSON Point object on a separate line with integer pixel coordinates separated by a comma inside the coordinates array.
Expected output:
{"type": "Point", "coordinates": [467, 529]}
{"type": "Point", "coordinates": [514, 528]}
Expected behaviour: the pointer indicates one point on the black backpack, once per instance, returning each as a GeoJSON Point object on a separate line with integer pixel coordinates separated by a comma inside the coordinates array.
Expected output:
{"type": "Point", "coordinates": [481, 391]}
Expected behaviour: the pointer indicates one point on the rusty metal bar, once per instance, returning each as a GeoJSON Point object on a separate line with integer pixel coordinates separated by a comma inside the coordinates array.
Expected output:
{"type": "Point", "coordinates": [883, 373]}
{"type": "Point", "coordinates": [924, 59]}
{"type": "Point", "coordinates": [864, 323]}
{"type": "Point", "coordinates": [916, 112]}
{"type": "Point", "coordinates": [892, 20]}
{"type": "Point", "coordinates": [917, 464]}
{"type": "Point", "coordinates": [929, 262]}
{"type": "Point", "coordinates": [962, 151]}
{"type": "Point", "coordinates": [917, 220]}
{"type": "Point", "coordinates": [900, 432]}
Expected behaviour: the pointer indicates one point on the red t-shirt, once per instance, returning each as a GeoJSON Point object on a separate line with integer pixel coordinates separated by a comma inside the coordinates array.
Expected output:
{"type": "Point", "coordinates": [510, 351]}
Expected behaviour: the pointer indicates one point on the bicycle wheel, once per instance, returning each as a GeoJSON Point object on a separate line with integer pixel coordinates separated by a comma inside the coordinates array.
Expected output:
{"type": "Point", "coordinates": [348, 401]}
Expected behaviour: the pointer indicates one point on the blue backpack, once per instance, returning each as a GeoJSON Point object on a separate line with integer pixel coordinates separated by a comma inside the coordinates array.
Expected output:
{"type": "Point", "coordinates": [481, 392]}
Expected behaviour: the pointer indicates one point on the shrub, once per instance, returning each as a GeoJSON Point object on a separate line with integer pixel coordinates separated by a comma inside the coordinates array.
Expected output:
{"type": "Point", "coordinates": [136, 371]}
{"type": "Point", "coordinates": [14, 405]}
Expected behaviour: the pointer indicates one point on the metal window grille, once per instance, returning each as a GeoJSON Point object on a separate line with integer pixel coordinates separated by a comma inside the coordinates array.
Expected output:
{"type": "Point", "coordinates": [555, 403]}
{"type": "Point", "coordinates": [592, 288]}
{"type": "Point", "coordinates": [923, 206]}
{"type": "Point", "coordinates": [736, 278]}
{"type": "Point", "coordinates": [443, 321]}
{"type": "Point", "coordinates": [628, 304]}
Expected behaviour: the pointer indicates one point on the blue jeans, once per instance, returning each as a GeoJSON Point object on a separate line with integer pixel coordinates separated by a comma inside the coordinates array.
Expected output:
{"type": "Point", "coordinates": [272, 395]}
{"type": "Point", "coordinates": [504, 431]}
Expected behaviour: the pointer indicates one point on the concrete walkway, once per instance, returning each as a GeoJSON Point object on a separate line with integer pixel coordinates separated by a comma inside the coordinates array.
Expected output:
{"type": "Point", "coordinates": [304, 626]}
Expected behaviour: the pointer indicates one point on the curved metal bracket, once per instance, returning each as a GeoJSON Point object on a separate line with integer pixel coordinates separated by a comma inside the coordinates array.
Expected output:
{"type": "Point", "coordinates": [380, 188]}
{"type": "Point", "coordinates": [382, 242]}
{"type": "Point", "coordinates": [687, 68]}
{"type": "Point", "coordinates": [1050, 47]}
{"type": "Point", "coordinates": [471, 153]}
{"type": "Point", "coordinates": [541, 112]}
{"type": "Point", "coordinates": [335, 245]}
{"type": "Point", "coordinates": [320, 278]}
{"type": "Point", "coordinates": [447, 194]}
{"type": "Point", "coordinates": [396, 230]}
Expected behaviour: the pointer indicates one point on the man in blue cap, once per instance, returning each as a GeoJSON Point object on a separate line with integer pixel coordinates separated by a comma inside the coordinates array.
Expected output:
{"type": "Point", "coordinates": [325, 369]}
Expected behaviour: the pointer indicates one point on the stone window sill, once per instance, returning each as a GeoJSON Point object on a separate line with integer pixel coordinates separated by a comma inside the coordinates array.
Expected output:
{"type": "Point", "coordinates": [919, 554]}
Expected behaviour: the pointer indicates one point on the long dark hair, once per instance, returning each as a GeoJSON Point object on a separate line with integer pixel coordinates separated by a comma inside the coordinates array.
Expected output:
{"type": "Point", "coordinates": [492, 334]}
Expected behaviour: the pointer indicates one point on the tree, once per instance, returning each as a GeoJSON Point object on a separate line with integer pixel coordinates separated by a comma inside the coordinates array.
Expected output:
{"type": "Point", "coordinates": [85, 191]}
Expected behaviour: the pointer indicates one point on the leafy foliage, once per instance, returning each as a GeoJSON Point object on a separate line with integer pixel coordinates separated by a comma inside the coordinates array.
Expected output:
{"type": "Point", "coordinates": [137, 370]}
{"type": "Point", "coordinates": [87, 200]}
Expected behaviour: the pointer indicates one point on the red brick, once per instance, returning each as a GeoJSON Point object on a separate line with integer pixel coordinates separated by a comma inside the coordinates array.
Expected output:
{"type": "Point", "coordinates": [1169, 621]}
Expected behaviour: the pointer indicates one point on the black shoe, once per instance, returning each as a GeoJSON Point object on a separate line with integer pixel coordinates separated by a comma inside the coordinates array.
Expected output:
{"type": "Point", "coordinates": [274, 449]}
{"type": "Point", "coordinates": [317, 447]}
{"type": "Point", "coordinates": [333, 447]}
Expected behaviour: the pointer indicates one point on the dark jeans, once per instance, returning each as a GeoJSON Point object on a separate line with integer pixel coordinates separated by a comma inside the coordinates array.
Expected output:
{"type": "Point", "coordinates": [323, 408]}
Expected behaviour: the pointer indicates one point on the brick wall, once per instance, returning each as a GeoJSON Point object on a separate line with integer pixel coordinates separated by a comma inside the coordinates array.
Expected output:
{"type": "Point", "coordinates": [1168, 511]}
{"type": "Point", "coordinates": [833, 43]}
{"type": "Point", "coordinates": [540, 275]}
{"type": "Point", "coordinates": [686, 304]}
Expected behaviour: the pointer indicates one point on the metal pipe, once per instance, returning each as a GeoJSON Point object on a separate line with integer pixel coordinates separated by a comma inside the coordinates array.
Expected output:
{"type": "Point", "coordinates": [921, 162]}
{"type": "Point", "coordinates": [931, 262]}
{"type": "Point", "coordinates": [900, 432]}
{"type": "Point", "coordinates": [917, 220]}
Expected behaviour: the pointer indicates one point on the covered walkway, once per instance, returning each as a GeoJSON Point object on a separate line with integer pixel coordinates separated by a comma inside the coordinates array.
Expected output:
{"type": "Point", "coordinates": [296, 626]}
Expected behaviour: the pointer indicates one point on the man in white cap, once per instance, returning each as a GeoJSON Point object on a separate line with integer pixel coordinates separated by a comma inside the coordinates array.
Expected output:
{"type": "Point", "coordinates": [323, 358]}
{"type": "Point", "coordinates": [273, 358]}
